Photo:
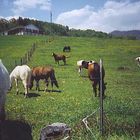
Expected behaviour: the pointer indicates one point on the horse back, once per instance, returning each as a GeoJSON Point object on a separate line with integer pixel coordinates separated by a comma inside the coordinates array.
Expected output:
{"type": "Point", "coordinates": [59, 57]}
{"type": "Point", "coordinates": [41, 72]}
{"type": "Point", "coordinates": [94, 71]}
{"type": "Point", "coordinates": [21, 72]}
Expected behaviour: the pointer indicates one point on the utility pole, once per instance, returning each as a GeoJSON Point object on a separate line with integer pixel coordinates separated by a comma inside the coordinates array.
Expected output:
{"type": "Point", "coordinates": [50, 16]}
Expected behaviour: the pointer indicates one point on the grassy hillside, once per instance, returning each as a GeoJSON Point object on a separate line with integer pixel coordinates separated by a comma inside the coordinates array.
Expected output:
{"type": "Point", "coordinates": [14, 47]}
{"type": "Point", "coordinates": [76, 100]}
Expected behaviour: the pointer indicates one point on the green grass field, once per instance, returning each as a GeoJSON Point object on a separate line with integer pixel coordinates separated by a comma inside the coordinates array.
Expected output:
{"type": "Point", "coordinates": [76, 100]}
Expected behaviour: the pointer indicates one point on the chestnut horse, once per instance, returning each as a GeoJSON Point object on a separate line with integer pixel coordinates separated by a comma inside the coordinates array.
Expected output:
{"type": "Point", "coordinates": [43, 73]}
{"type": "Point", "coordinates": [83, 64]}
{"type": "Point", "coordinates": [57, 58]}
{"type": "Point", "coordinates": [94, 76]}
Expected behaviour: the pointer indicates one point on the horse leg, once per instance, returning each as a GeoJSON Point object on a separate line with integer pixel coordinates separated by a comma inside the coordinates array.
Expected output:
{"type": "Point", "coordinates": [37, 85]}
{"type": "Point", "coordinates": [103, 88]}
{"type": "Point", "coordinates": [2, 106]}
{"type": "Point", "coordinates": [55, 61]}
{"type": "Point", "coordinates": [80, 70]}
{"type": "Point", "coordinates": [17, 90]}
{"type": "Point", "coordinates": [47, 84]}
{"type": "Point", "coordinates": [52, 84]}
{"type": "Point", "coordinates": [94, 89]}
{"type": "Point", "coordinates": [25, 87]}
{"type": "Point", "coordinates": [64, 62]}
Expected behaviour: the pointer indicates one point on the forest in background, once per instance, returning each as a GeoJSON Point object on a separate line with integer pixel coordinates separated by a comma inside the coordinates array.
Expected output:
{"type": "Point", "coordinates": [50, 28]}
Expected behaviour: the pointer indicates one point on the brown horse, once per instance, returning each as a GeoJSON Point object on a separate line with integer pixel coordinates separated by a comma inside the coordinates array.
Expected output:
{"type": "Point", "coordinates": [43, 73]}
{"type": "Point", "coordinates": [57, 58]}
{"type": "Point", "coordinates": [94, 76]}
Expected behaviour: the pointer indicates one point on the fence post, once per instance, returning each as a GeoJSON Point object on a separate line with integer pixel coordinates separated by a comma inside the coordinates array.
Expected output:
{"type": "Point", "coordinates": [15, 63]}
{"type": "Point", "coordinates": [21, 62]}
{"type": "Point", "coordinates": [28, 55]}
{"type": "Point", "coordinates": [101, 102]}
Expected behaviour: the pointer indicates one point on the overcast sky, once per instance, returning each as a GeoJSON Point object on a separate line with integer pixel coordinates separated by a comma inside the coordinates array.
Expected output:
{"type": "Point", "coordinates": [100, 15]}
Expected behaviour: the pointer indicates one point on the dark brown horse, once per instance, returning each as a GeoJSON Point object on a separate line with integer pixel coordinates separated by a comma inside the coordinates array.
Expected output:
{"type": "Point", "coordinates": [66, 49]}
{"type": "Point", "coordinates": [57, 58]}
{"type": "Point", "coordinates": [94, 76]}
{"type": "Point", "coordinates": [43, 73]}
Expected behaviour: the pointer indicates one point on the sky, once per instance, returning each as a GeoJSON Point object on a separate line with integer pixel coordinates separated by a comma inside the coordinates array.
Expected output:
{"type": "Point", "coordinates": [99, 15]}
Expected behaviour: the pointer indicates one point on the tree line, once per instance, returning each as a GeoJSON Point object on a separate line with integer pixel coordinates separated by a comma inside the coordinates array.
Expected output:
{"type": "Point", "coordinates": [49, 28]}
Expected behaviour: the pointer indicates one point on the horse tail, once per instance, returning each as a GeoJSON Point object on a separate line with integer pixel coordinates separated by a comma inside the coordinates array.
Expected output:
{"type": "Point", "coordinates": [53, 79]}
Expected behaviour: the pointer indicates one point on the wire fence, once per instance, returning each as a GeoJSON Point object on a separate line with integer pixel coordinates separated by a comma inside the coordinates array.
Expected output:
{"type": "Point", "coordinates": [28, 55]}
{"type": "Point", "coordinates": [26, 58]}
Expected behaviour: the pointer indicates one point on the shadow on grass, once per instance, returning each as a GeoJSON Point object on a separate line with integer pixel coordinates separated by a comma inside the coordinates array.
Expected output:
{"type": "Point", "coordinates": [30, 95]}
{"type": "Point", "coordinates": [15, 130]}
{"type": "Point", "coordinates": [48, 90]}
{"type": "Point", "coordinates": [59, 91]}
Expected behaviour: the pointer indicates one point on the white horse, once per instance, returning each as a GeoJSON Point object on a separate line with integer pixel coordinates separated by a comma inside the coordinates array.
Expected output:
{"type": "Point", "coordinates": [138, 61]}
{"type": "Point", "coordinates": [22, 73]}
{"type": "Point", "coordinates": [83, 64]}
{"type": "Point", "coordinates": [4, 87]}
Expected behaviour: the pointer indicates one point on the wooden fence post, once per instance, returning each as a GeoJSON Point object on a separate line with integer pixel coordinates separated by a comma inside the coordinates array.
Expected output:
{"type": "Point", "coordinates": [15, 63]}
{"type": "Point", "coordinates": [101, 102]}
{"type": "Point", "coordinates": [27, 56]}
{"type": "Point", "coordinates": [21, 62]}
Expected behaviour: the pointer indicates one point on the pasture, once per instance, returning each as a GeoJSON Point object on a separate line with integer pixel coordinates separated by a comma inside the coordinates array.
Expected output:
{"type": "Point", "coordinates": [76, 100]}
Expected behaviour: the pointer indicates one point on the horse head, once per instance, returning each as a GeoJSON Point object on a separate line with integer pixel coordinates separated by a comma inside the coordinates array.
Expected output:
{"type": "Point", "coordinates": [11, 80]}
{"type": "Point", "coordinates": [53, 54]}
{"type": "Point", "coordinates": [30, 84]}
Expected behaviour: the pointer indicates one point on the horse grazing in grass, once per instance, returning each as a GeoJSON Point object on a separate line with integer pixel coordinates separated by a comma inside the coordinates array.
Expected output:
{"type": "Point", "coordinates": [94, 76]}
{"type": "Point", "coordinates": [57, 58]}
{"type": "Point", "coordinates": [66, 49]}
{"type": "Point", "coordinates": [83, 64]}
{"type": "Point", "coordinates": [22, 73]}
{"type": "Point", "coordinates": [138, 61]}
{"type": "Point", "coordinates": [4, 87]}
{"type": "Point", "coordinates": [43, 73]}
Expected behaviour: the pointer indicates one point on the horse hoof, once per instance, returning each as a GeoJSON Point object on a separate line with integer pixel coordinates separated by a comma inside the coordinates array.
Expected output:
{"type": "Point", "coordinates": [25, 96]}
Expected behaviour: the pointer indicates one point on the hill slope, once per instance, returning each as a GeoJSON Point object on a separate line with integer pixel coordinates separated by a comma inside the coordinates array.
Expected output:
{"type": "Point", "coordinates": [131, 33]}
{"type": "Point", "coordinates": [76, 99]}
